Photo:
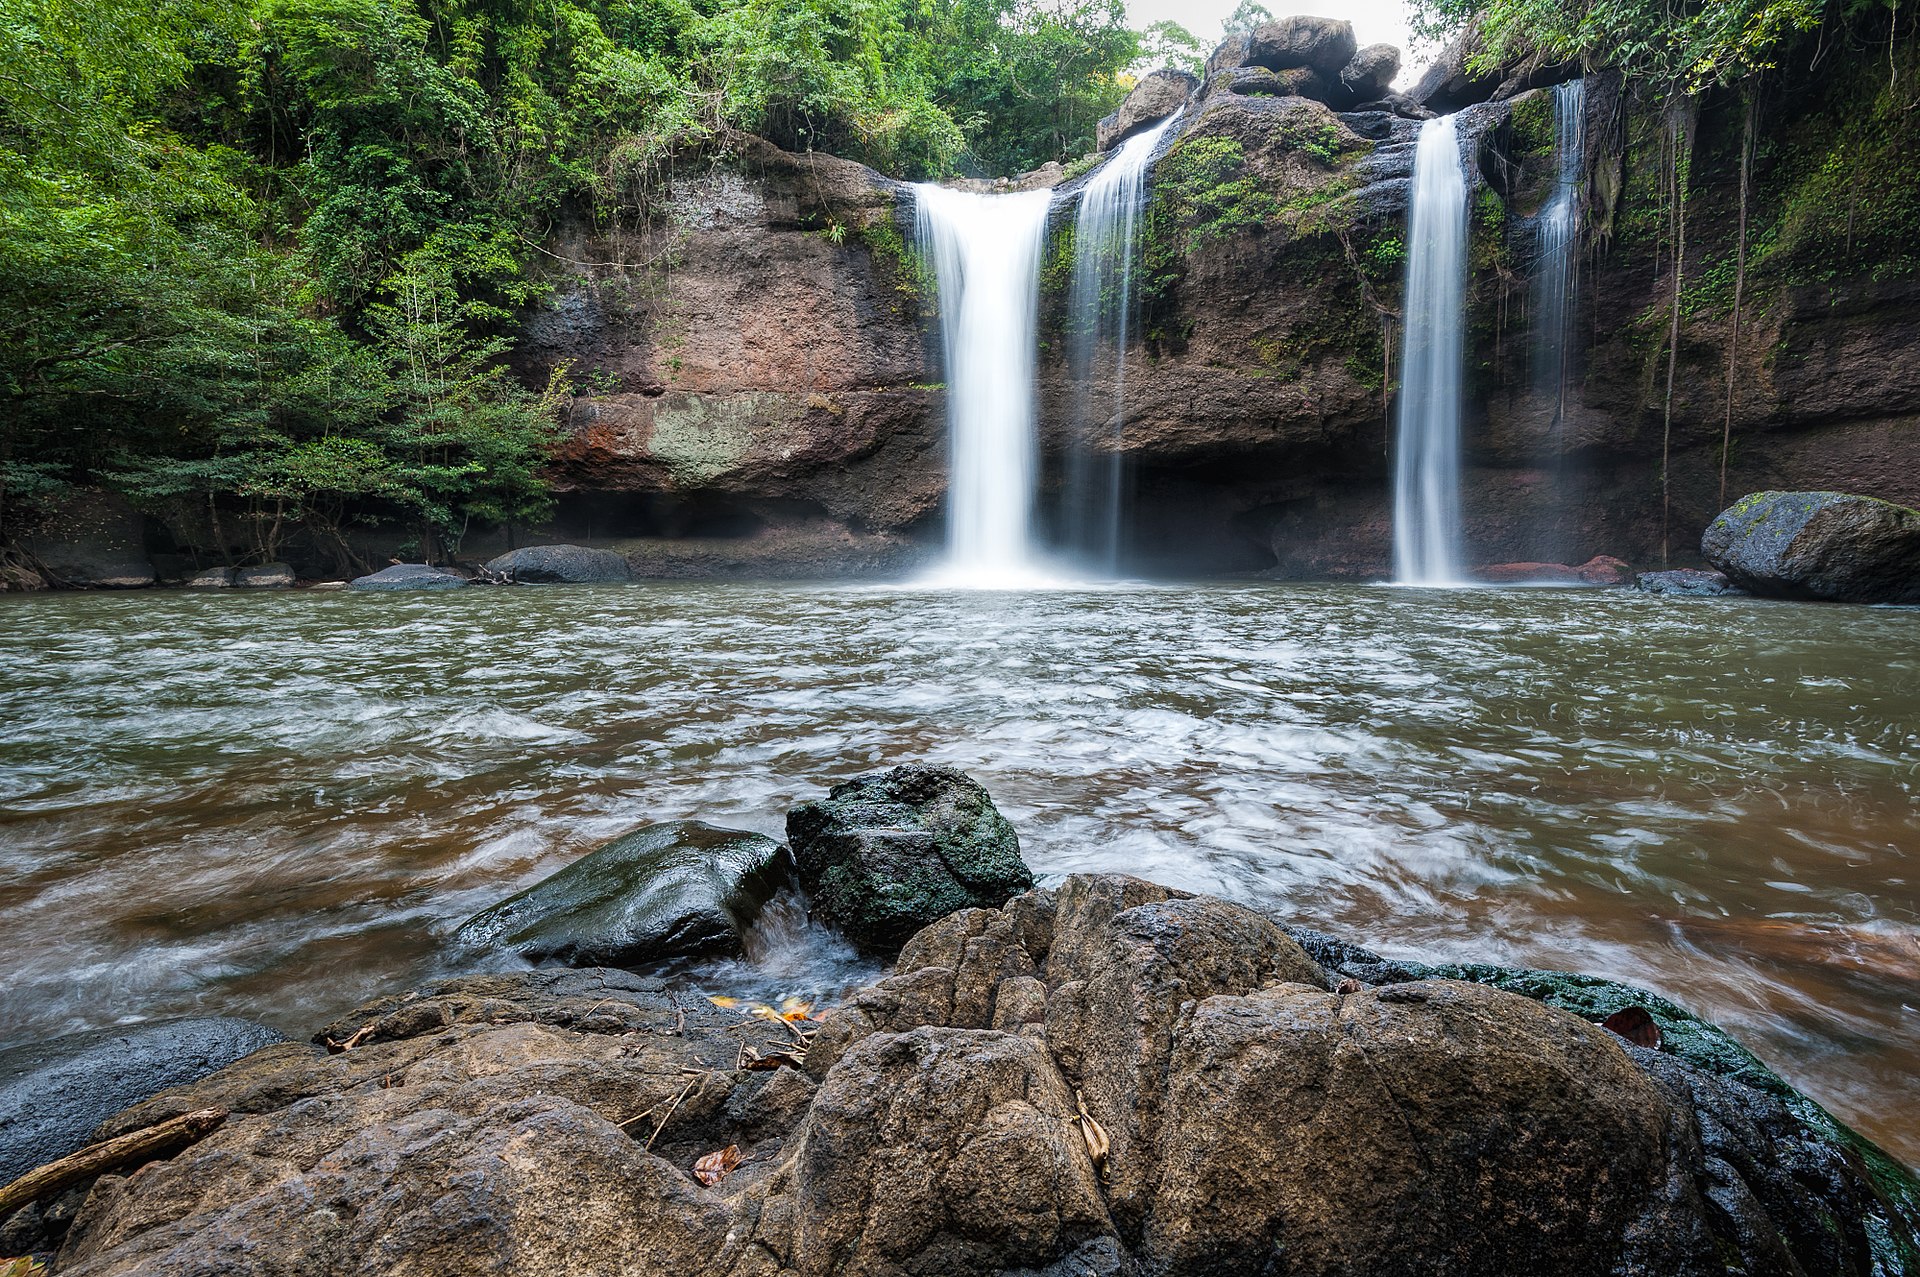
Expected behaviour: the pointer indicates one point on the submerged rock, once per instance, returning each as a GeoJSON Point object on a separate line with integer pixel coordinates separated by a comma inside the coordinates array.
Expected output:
{"type": "Point", "coordinates": [660, 892]}
{"type": "Point", "coordinates": [410, 576]}
{"type": "Point", "coordinates": [1818, 545]}
{"type": "Point", "coordinates": [53, 1093]}
{"type": "Point", "coordinates": [1109, 1077]}
{"type": "Point", "coordinates": [561, 565]}
{"type": "Point", "coordinates": [885, 854]}
{"type": "Point", "coordinates": [1697, 582]}
{"type": "Point", "coordinates": [264, 576]}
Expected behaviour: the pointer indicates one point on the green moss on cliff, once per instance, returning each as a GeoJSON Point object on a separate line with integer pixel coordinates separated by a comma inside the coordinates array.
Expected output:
{"type": "Point", "coordinates": [904, 273]}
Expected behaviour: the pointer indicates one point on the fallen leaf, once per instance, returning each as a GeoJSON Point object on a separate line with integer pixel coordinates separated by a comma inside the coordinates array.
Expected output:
{"type": "Point", "coordinates": [1094, 1134]}
{"type": "Point", "coordinates": [716, 1166]}
{"type": "Point", "coordinates": [724, 1002]}
{"type": "Point", "coordinates": [795, 1009]}
{"type": "Point", "coordinates": [25, 1266]}
{"type": "Point", "coordinates": [1350, 985]}
{"type": "Point", "coordinates": [1636, 1025]}
{"type": "Point", "coordinates": [756, 1062]}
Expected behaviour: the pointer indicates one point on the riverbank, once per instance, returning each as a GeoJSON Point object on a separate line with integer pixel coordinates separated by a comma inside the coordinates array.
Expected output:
{"type": "Point", "coordinates": [1106, 1077]}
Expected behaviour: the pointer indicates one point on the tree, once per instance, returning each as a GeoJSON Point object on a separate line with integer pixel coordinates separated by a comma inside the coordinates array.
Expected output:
{"type": "Point", "coordinates": [1246, 15]}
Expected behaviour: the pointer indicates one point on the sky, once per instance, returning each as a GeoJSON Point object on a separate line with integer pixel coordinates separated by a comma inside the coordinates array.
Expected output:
{"type": "Point", "coordinates": [1374, 21]}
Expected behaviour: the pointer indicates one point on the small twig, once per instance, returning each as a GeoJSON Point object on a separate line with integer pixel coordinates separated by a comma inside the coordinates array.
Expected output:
{"type": "Point", "coordinates": [668, 1115]}
{"type": "Point", "coordinates": [142, 1146]}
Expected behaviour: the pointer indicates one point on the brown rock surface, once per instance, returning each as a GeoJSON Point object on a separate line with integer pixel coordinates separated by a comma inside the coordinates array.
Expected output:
{"type": "Point", "coordinates": [1110, 1077]}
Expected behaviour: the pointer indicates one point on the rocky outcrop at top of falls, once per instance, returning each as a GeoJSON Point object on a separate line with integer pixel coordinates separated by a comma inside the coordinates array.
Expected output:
{"type": "Point", "coordinates": [1105, 1077]}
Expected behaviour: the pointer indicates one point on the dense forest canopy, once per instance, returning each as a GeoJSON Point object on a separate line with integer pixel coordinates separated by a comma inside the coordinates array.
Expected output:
{"type": "Point", "coordinates": [258, 258]}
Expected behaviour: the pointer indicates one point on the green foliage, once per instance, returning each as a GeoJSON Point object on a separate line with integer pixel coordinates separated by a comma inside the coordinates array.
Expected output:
{"type": "Point", "coordinates": [256, 258]}
{"type": "Point", "coordinates": [1168, 44]}
{"type": "Point", "coordinates": [1674, 45]}
{"type": "Point", "coordinates": [1246, 15]}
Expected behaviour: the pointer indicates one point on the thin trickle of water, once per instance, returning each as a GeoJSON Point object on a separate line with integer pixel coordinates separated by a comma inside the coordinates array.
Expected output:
{"type": "Point", "coordinates": [986, 259]}
{"type": "Point", "coordinates": [1104, 233]}
{"type": "Point", "coordinates": [1426, 475]}
{"type": "Point", "coordinates": [1555, 281]}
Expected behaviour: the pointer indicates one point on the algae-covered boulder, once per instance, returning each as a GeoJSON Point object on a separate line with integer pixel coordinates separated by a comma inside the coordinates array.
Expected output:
{"type": "Point", "coordinates": [664, 891]}
{"type": "Point", "coordinates": [885, 854]}
{"type": "Point", "coordinates": [561, 565]}
{"type": "Point", "coordinates": [410, 576]}
{"type": "Point", "coordinates": [1818, 545]}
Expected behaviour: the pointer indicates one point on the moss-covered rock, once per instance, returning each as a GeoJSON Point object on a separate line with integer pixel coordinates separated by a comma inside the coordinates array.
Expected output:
{"type": "Point", "coordinates": [1818, 545]}
{"type": "Point", "coordinates": [885, 854]}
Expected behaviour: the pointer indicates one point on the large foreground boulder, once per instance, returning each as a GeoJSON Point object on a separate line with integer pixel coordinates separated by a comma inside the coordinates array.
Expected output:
{"type": "Point", "coordinates": [410, 576]}
{"type": "Point", "coordinates": [885, 854]}
{"type": "Point", "coordinates": [661, 892]}
{"type": "Point", "coordinates": [53, 1093]}
{"type": "Point", "coordinates": [1107, 1079]}
{"type": "Point", "coordinates": [561, 565]}
{"type": "Point", "coordinates": [1818, 545]}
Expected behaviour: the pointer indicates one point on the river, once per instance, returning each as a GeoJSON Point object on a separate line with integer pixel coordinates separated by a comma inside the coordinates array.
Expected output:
{"type": "Point", "coordinates": [276, 805]}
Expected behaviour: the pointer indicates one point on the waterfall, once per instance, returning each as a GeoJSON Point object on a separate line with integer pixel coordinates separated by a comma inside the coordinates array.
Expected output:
{"type": "Point", "coordinates": [1104, 228]}
{"type": "Point", "coordinates": [1556, 282]}
{"type": "Point", "coordinates": [1426, 472]}
{"type": "Point", "coordinates": [986, 260]}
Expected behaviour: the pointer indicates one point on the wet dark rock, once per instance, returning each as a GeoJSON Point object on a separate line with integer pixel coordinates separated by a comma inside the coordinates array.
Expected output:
{"type": "Point", "coordinates": [1696, 582]}
{"type": "Point", "coordinates": [1826, 546]}
{"type": "Point", "coordinates": [1153, 99]}
{"type": "Point", "coordinates": [664, 891]}
{"type": "Point", "coordinates": [410, 576]}
{"type": "Point", "coordinates": [211, 579]}
{"type": "Point", "coordinates": [1370, 73]}
{"type": "Point", "coordinates": [1324, 44]}
{"type": "Point", "coordinates": [885, 854]}
{"type": "Point", "coordinates": [561, 565]}
{"type": "Point", "coordinates": [264, 576]}
{"type": "Point", "coordinates": [53, 1093]}
{"type": "Point", "coordinates": [1107, 1077]}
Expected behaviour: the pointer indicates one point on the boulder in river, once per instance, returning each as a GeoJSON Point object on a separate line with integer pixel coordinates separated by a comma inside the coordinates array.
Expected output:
{"type": "Point", "coordinates": [410, 576]}
{"type": "Point", "coordinates": [53, 1093]}
{"type": "Point", "coordinates": [660, 892]}
{"type": "Point", "coordinates": [887, 853]}
{"type": "Point", "coordinates": [560, 565]}
{"type": "Point", "coordinates": [264, 576]}
{"type": "Point", "coordinates": [211, 579]}
{"type": "Point", "coordinates": [1695, 582]}
{"type": "Point", "coordinates": [1107, 1077]}
{"type": "Point", "coordinates": [1818, 545]}
{"type": "Point", "coordinates": [1153, 99]}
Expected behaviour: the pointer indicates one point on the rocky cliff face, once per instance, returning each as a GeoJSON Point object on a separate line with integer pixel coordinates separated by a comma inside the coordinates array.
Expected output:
{"type": "Point", "coordinates": [761, 390]}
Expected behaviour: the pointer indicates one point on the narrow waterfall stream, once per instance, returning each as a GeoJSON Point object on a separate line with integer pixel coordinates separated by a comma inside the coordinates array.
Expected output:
{"type": "Point", "coordinates": [986, 257]}
{"type": "Point", "coordinates": [1426, 473]}
{"type": "Point", "coordinates": [1556, 283]}
{"type": "Point", "coordinates": [1104, 232]}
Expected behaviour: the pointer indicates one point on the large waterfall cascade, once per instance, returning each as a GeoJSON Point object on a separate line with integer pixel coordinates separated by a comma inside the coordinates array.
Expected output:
{"type": "Point", "coordinates": [1556, 284]}
{"type": "Point", "coordinates": [986, 258]}
{"type": "Point", "coordinates": [1426, 470]}
{"type": "Point", "coordinates": [1093, 500]}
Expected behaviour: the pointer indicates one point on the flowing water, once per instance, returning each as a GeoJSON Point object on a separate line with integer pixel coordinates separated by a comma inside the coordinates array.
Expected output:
{"type": "Point", "coordinates": [1556, 281]}
{"type": "Point", "coordinates": [986, 258]}
{"type": "Point", "coordinates": [1426, 468]}
{"type": "Point", "coordinates": [278, 805]}
{"type": "Point", "coordinates": [1104, 232]}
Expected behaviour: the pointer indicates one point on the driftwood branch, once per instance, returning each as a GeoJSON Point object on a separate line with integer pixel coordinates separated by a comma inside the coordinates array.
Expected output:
{"type": "Point", "coordinates": [132, 1149]}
